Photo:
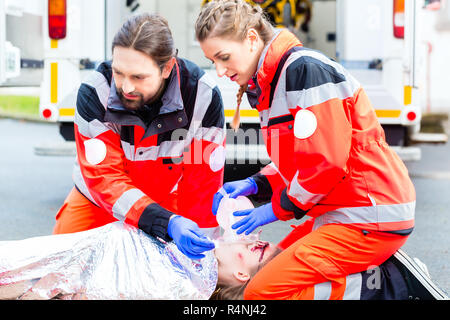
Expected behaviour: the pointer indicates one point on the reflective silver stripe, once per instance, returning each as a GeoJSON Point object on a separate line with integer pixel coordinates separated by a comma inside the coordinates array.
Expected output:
{"type": "Point", "coordinates": [353, 283]}
{"type": "Point", "coordinates": [264, 117]}
{"type": "Point", "coordinates": [167, 149]}
{"type": "Point", "coordinates": [96, 80]}
{"type": "Point", "coordinates": [202, 102]}
{"type": "Point", "coordinates": [373, 214]}
{"type": "Point", "coordinates": [128, 150]}
{"type": "Point", "coordinates": [318, 95]}
{"type": "Point", "coordinates": [353, 287]}
{"type": "Point", "coordinates": [352, 82]}
{"type": "Point", "coordinates": [273, 165]}
{"type": "Point", "coordinates": [125, 202]}
{"type": "Point", "coordinates": [173, 148]}
{"type": "Point", "coordinates": [301, 194]}
{"type": "Point", "coordinates": [280, 105]}
{"type": "Point", "coordinates": [94, 128]}
{"type": "Point", "coordinates": [322, 291]}
{"type": "Point", "coordinates": [80, 183]}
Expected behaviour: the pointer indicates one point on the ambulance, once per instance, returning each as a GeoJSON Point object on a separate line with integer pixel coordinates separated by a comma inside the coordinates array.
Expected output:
{"type": "Point", "coordinates": [77, 37]}
{"type": "Point", "coordinates": [375, 40]}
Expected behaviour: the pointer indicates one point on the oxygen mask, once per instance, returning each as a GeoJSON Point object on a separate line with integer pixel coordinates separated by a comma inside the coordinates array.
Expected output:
{"type": "Point", "coordinates": [226, 219]}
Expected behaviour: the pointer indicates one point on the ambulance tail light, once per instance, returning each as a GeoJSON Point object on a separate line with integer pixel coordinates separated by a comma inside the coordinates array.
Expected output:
{"type": "Point", "coordinates": [57, 19]}
{"type": "Point", "coordinates": [47, 113]}
{"type": "Point", "coordinates": [411, 116]}
{"type": "Point", "coordinates": [399, 19]}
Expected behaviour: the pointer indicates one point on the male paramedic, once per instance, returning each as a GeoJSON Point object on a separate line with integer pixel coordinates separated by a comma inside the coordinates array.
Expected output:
{"type": "Point", "coordinates": [150, 135]}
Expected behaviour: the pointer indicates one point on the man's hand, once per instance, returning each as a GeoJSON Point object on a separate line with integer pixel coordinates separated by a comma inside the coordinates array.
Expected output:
{"type": "Point", "coordinates": [188, 237]}
{"type": "Point", "coordinates": [234, 189]}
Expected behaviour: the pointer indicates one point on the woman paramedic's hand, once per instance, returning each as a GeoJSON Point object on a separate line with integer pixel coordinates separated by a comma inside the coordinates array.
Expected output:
{"type": "Point", "coordinates": [254, 218]}
{"type": "Point", "coordinates": [188, 237]}
{"type": "Point", "coordinates": [234, 189]}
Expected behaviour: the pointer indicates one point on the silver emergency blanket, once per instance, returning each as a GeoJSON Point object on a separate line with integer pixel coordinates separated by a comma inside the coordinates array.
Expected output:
{"type": "Point", "coordinates": [116, 261]}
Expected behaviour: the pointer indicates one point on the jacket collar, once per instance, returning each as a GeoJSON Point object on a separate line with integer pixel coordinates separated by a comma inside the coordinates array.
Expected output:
{"type": "Point", "coordinates": [259, 86]}
{"type": "Point", "coordinates": [171, 114]}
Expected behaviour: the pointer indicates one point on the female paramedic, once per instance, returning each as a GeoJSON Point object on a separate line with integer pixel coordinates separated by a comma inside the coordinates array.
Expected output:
{"type": "Point", "coordinates": [330, 160]}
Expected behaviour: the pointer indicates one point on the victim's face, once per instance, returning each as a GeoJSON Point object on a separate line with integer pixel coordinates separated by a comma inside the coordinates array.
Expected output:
{"type": "Point", "coordinates": [237, 60]}
{"type": "Point", "coordinates": [137, 77]}
{"type": "Point", "coordinates": [238, 261]}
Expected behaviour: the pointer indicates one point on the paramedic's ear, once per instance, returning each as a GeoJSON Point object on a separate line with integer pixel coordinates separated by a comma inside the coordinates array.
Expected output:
{"type": "Point", "coordinates": [167, 69]}
{"type": "Point", "coordinates": [241, 276]}
{"type": "Point", "coordinates": [252, 37]}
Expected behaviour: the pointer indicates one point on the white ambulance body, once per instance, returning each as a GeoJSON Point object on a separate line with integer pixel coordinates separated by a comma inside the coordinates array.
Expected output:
{"type": "Point", "coordinates": [375, 40]}
{"type": "Point", "coordinates": [9, 54]}
{"type": "Point", "coordinates": [377, 43]}
{"type": "Point", "coordinates": [88, 27]}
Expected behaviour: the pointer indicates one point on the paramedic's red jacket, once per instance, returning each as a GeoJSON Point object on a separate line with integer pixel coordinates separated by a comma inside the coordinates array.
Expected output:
{"type": "Point", "coordinates": [143, 167]}
{"type": "Point", "coordinates": [329, 156]}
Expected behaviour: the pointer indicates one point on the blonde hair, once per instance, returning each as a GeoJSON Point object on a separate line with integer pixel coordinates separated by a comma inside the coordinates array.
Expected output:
{"type": "Point", "coordinates": [232, 19]}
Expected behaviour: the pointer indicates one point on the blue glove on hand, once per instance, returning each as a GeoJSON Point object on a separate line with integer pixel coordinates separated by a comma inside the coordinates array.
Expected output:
{"type": "Point", "coordinates": [234, 189]}
{"type": "Point", "coordinates": [254, 218]}
{"type": "Point", "coordinates": [188, 237]}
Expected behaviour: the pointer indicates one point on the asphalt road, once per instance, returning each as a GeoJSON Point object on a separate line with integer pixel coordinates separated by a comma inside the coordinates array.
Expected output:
{"type": "Point", "coordinates": [32, 188]}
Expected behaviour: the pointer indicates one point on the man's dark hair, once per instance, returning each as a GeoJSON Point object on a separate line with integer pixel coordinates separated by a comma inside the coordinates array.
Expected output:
{"type": "Point", "coordinates": [149, 34]}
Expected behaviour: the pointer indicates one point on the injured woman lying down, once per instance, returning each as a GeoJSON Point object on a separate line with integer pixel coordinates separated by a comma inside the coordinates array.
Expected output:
{"type": "Point", "coordinates": [118, 261]}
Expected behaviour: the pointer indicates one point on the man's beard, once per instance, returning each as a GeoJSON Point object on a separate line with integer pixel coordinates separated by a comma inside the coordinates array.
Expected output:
{"type": "Point", "coordinates": [139, 103]}
{"type": "Point", "coordinates": [131, 104]}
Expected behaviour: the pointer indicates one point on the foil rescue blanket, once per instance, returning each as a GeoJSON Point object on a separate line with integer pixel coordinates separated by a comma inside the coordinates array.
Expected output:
{"type": "Point", "coordinates": [116, 261]}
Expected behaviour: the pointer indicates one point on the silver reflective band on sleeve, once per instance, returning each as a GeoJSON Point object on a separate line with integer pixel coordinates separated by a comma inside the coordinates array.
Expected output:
{"type": "Point", "coordinates": [125, 202]}
{"type": "Point", "coordinates": [301, 194]}
{"type": "Point", "coordinates": [97, 81]}
{"type": "Point", "coordinates": [353, 287]}
{"type": "Point", "coordinates": [94, 128]}
{"type": "Point", "coordinates": [318, 95]}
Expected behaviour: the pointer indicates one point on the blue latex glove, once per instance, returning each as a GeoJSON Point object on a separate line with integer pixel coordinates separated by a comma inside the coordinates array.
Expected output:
{"type": "Point", "coordinates": [254, 218]}
{"type": "Point", "coordinates": [188, 237]}
{"type": "Point", "coordinates": [234, 189]}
